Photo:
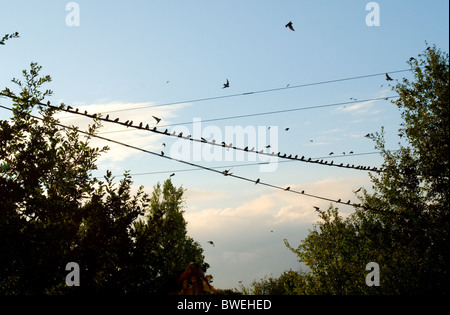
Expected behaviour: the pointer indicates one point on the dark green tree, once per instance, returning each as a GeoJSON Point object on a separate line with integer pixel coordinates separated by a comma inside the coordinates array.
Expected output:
{"type": "Point", "coordinates": [404, 225]}
{"type": "Point", "coordinates": [53, 211]}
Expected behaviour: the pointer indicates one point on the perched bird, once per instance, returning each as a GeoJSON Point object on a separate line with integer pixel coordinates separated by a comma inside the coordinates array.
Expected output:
{"type": "Point", "coordinates": [211, 242]}
{"type": "Point", "coordinates": [351, 152]}
{"type": "Point", "coordinates": [107, 117]}
{"type": "Point", "coordinates": [203, 139]}
{"type": "Point", "coordinates": [157, 119]}
{"type": "Point", "coordinates": [116, 120]}
{"type": "Point", "coordinates": [388, 78]}
{"type": "Point", "coordinates": [162, 153]}
{"type": "Point", "coordinates": [69, 107]}
{"type": "Point", "coordinates": [303, 191]}
{"type": "Point", "coordinates": [287, 188]}
{"type": "Point", "coordinates": [227, 172]}
{"type": "Point", "coordinates": [147, 127]}
{"type": "Point", "coordinates": [246, 149]}
{"type": "Point", "coordinates": [126, 123]}
{"type": "Point", "coordinates": [289, 25]}
{"type": "Point", "coordinates": [412, 58]}
{"type": "Point", "coordinates": [140, 125]}
{"type": "Point", "coordinates": [226, 85]}
{"type": "Point", "coordinates": [257, 181]}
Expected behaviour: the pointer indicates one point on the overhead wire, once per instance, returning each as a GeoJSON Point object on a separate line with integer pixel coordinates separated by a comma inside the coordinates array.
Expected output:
{"type": "Point", "coordinates": [225, 172]}
{"type": "Point", "coordinates": [260, 91]}
{"type": "Point", "coordinates": [212, 142]}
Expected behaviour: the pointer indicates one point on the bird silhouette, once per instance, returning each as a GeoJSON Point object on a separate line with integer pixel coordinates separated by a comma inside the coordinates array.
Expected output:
{"type": "Point", "coordinates": [267, 146]}
{"type": "Point", "coordinates": [140, 125]}
{"type": "Point", "coordinates": [287, 188]}
{"type": "Point", "coordinates": [173, 174]}
{"type": "Point", "coordinates": [147, 127]}
{"type": "Point", "coordinates": [107, 117]}
{"type": "Point", "coordinates": [257, 181]}
{"type": "Point", "coordinates": [367, 135]}
{"type": "Point", "coordinates": [331, 153]}
{"type": "Point", "coordinates": [287, 129]}
{"type": "Point", "coordinates": [226, 85]}
{"type": "Point", "coordinates": [316, 208]}
{"type": "Point", "coordinates": [289, 25]}
{"type": "Point", "coordinates": [227, 172]}
{"type": "Point", "coordinates": [211, 242]}
{"type": "Point", "coordinates": [162, 153]}
{"type": "Point", "coordinates": [157, 119]}
{"type": "Point", "coordinates": [388, 78]}
{"type": "Point", "coordinates": [69, 107]}
{"type": "Point", "coordinates": [116, 120]}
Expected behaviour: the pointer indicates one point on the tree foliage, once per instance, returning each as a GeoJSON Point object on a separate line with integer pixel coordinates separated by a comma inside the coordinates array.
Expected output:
{"type": "Point", "coordinates": [404, 224]}
{"type": "Point", "coordinates": [53, 211]}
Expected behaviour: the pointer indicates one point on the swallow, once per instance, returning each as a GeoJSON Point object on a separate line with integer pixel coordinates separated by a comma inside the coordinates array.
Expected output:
{"type": "Point", "coordinates": [226, 85]}
{"type": "Point", "coordinates": [290, 26]}
{"type": "Point", "coordinates": [367, 135]}
{"type": "Point", "coordinates": [107, 117]}
{"type": "Point", "coordinates": [331, 153]}
{"type": "Point", "coordinates": [173, 174]}
{"type": "Point", "coordinates": [211, 242]}
{"type": "Point", "coordinates": [287, 129]}
{"type": "Point", "coordinates": [203, 139]}
{"type": "Point", "coordinates": [116, 120]}
{"type": "Point", "coordinates": [140, 125]}
{"type": "Point", "coordinates": [257, 181]}
{"type": "Point", "coordinates": [147, 127]}
{"type": "Point", "coordinates": [316, 208]}
{"type": "Point", "coordinates": [227, 172]}
{"type": "Point", "coordinates": [388, 78]}
{"type": "Point", "coordinates": [69, 107]}
{"type": "Point", "coordinates": [287, 188]}
{"type": "Point", "coordinates": [157, 119]}
{"type": "Point", "coordinates": [162, 153]}
{"type": "Point", "coordinates": [267, 146]}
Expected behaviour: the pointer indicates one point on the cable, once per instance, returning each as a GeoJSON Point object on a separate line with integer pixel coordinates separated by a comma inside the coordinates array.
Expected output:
{"type": "Point", "coordinates": [260, 91]}
{"type": "Point", "coordinates": [240, 165]}
{"type": "Point", "coordinates": [202, 140]}
{"type": "Point", "coordinates": [271, 112]}
{"type": "Point", "coordinates": [225, 173]}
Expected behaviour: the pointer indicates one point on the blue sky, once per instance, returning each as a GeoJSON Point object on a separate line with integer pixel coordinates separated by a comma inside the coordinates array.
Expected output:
{"type": "Point", "coordinates": [127, 54]}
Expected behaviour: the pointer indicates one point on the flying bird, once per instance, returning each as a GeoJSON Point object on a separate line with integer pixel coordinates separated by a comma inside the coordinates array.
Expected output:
{"type": "Point", "coordinates": [388, 78]}
{"type": "Point", "coordinates": [157, 119]}
{"type": "Point", "coordinates": [226, 85]}
{"type": "Point", "coordinates": [173, 174]}
{"type": "Point", "coordinates": [316, 208]}
{"type": "Point", "coordinates": [290, 26]}
{"type": "Point", "coordinates": [211, 242]}
{"type": "Point", "coordinates": [287, 129]}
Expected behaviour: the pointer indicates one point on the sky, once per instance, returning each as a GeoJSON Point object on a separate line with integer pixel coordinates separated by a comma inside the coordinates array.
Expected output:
{"type": "Point", "coordinates": [170, 59]}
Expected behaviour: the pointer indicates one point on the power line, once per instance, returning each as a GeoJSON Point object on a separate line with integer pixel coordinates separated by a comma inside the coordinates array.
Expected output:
{"type": "Point", "coordinates": [212, 142]}
{"type": "Point", "coordinates": [260, 91]}
{"type": "Point", "coordinates": [241, 165]}
{"type": "Point", "coordinates": [225, 172]}
{"type": "Point", "coordinates": [270, 113]}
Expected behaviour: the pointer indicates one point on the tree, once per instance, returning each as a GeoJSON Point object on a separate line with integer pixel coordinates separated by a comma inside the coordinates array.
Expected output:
{"type": "Point", "coordinates": [404, 225]}
{"type": "Point", "coordinates": [53, 211]}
